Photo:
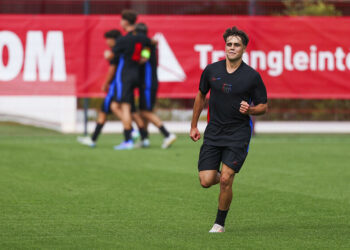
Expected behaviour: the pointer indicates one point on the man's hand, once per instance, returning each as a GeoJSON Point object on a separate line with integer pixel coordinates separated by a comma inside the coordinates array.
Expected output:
{"type": "Point", "coordinates": [105, 87]}
{"type": "Point", "coordinates": [108, 55]}
{"type": "Point", "coordinates": [145, 55]}
{"type": "Point", "coordinates": [194, 134]}
{"type": "Point", "coordinates": [143, 60]}
{"type": "Point", "coordinates": [244, 108]}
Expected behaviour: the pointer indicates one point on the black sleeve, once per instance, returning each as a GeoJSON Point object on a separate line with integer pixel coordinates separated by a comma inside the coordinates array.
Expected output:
{"type": "Point", "coordinates": [204, 84]}
{"type": "Point", "coordinates": [154, 57]}
{"type": "Point", "coordinates": [114, 61]}
{"type": "Point", "coordinates": [259, 92]}
{"type": "Point", "coordinates": [147, 42]}
{"type": "Point", "coordinates": [119, 48]}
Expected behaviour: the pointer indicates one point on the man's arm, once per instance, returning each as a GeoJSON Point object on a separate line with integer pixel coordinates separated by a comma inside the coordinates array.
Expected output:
{"type": "Point", "coordinates": [259, 109]}
{"type": "Point", "coordinates": [197, 109]}
{"type": "Point", "coordinates": [109, 77]}
{"type": "Point", "coordinates": [145, 55]}
{"type": "Point", "coordinates": [119, 47]}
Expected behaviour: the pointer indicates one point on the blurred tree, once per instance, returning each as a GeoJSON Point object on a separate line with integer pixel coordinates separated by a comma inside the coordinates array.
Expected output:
{"type": "Point", "coordinates": [310, 8]}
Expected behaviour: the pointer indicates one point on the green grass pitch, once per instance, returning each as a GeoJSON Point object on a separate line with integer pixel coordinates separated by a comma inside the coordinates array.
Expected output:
{"type": "Point", "coordinates": [292, 193]}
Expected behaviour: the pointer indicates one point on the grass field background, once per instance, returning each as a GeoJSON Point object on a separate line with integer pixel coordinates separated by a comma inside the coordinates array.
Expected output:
{"type": "Point", "coordinates": [292, 193]}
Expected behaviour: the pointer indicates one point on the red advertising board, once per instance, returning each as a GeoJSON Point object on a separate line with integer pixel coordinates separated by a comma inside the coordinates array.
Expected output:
{"type": "Point", "coordinates": [63, 55]}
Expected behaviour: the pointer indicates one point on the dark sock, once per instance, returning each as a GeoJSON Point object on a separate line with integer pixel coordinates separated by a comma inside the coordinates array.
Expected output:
{"type": "Point", "coordinates": [143, 133]}
{"type": "Point", "coordinates": [97, 132]}
{"type": "Point", "coordinates": [127, 134]}
{"type": "Point", "coordinates": [221, 217]}
{"type": "Point", "coordinates": [164, 131]}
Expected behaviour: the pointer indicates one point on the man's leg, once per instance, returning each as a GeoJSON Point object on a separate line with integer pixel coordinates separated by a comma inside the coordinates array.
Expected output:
{"type": "Point", "coordinates": [209, 165]}
{"type": "Point", "coordinates": [116, 109]}
{"type": "Point", "coordinates": [119, 109]}
{"type": "Point", "coordinates": [226, 180]}
{"type": "Point", "coordinates": [101, 119]}
{"type": "Point", "coordinates": [225, 197]}
{"type": "Point", "coordinates": [138, 119]}
{"type": "Point", "coordinates": [145, 122]}
{"type": "Point", "coordinates": [152, 118]}
{"type": "Point", "coordinates": [147, 101]}
{"type": "Point", "coordinates": [140, 124]}
{"type": "Point", "coordinates": [146, 142]}
{"type": "Point", "coordinates": [91, 141]}
{"type": "Point", "coordinates": [126, 120]}
{"type": "Point", "coordinates": [126, 115]}
{"type": "Point", "coordinates": [208, 178]}
{"type": "Point", "coordinates": [169, 138]}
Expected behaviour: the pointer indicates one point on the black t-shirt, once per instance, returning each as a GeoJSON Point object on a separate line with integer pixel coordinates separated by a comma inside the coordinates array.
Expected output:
{"type": "Point", "coordinates": [153, 63]}
{"type": "Point", "coordinates": [154, 59]}
{"type": "Point", "coordinates": [227, 126]}
{"type": "Point", "coordinates": [129, 47]}
{"type": "Point", "coordinates": [115, 59]}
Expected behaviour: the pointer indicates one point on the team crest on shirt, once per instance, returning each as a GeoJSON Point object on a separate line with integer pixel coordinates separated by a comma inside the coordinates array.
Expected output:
{"type": "Point", "coordinates": [215, 79]}
{"type": "Point", "coordinates": [227, 88]}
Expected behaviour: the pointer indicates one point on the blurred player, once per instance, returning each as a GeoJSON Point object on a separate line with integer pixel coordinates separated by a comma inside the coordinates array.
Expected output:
{"type": "Point", "coordinates": [128, 50]}
{"type": "Point", "coordinates": [234, 86]}
{"type": "Point", "coordinates": [148, 91]}
{"type": "Point", "coordinates": [110, 85]}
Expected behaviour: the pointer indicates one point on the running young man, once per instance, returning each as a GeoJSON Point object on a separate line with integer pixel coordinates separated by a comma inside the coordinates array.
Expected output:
{"type": "Point", "coordinates": [109, 85]}
{"type": "Point", "coordinates": [148, 92]}
{"type": "Point", "coordinates": [234, 86]}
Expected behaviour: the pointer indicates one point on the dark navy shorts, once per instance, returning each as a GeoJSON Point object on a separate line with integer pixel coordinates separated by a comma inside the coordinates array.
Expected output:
{"type": "Point", "coordinates": [106, 105]}
{"type": "Point", "coordinates": [210, 157]}
{"type": "Point", "coordinates": [127, 79]}
{"type": "Point", "coordinates": [148, 87]}
{"type": "Point", "coordinates": [147, 99]}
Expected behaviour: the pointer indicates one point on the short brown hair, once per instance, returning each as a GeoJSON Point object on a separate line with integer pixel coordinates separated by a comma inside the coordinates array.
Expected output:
{"type": "Point", "coordinates": [236, 32]}
{"type": "Point", "coordinates": [130, 16]}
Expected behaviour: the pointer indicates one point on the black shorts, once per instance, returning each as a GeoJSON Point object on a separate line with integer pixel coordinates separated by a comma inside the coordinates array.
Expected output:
{"type": "Point", "coordinates": [148, 87]}
{"type": "Point", "coordinates": [126, 80]}
{"type": "Point", "coordinates": [147, 99]}
{"type": "Point", "coordinates": [210, 157]}
{"type": "Point", "coordinates": [133, 106]}
{"type": "Point", "coordinates": [106, 105]}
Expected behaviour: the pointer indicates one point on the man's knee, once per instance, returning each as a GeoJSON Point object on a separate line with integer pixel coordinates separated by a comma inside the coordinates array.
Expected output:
{"type": "Point", "coordinates": [115, 105]}
{"type": "Point", "coordinates": [226, 180]}
{"type": "Point", "coordinates": [145, 114]}
{"type": "Point", "coordinates": [102, 117]}
{"type": "Point", "coordinates": [205, 183]}
{"type": "Point", "coordinates": [207, 178]}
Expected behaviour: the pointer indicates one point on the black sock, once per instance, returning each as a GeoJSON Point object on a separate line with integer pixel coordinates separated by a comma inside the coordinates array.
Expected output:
{"type": "Point", "coordinates": [143, 133]}
{"type": "Point", "coordinates": [164, 131]}
{"type": "Point", "coordinates": [221, 217]}
{"type": "Point", "coordinates": [97, 132]}
{"type": "Point", "coordinates": [127, 134]}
